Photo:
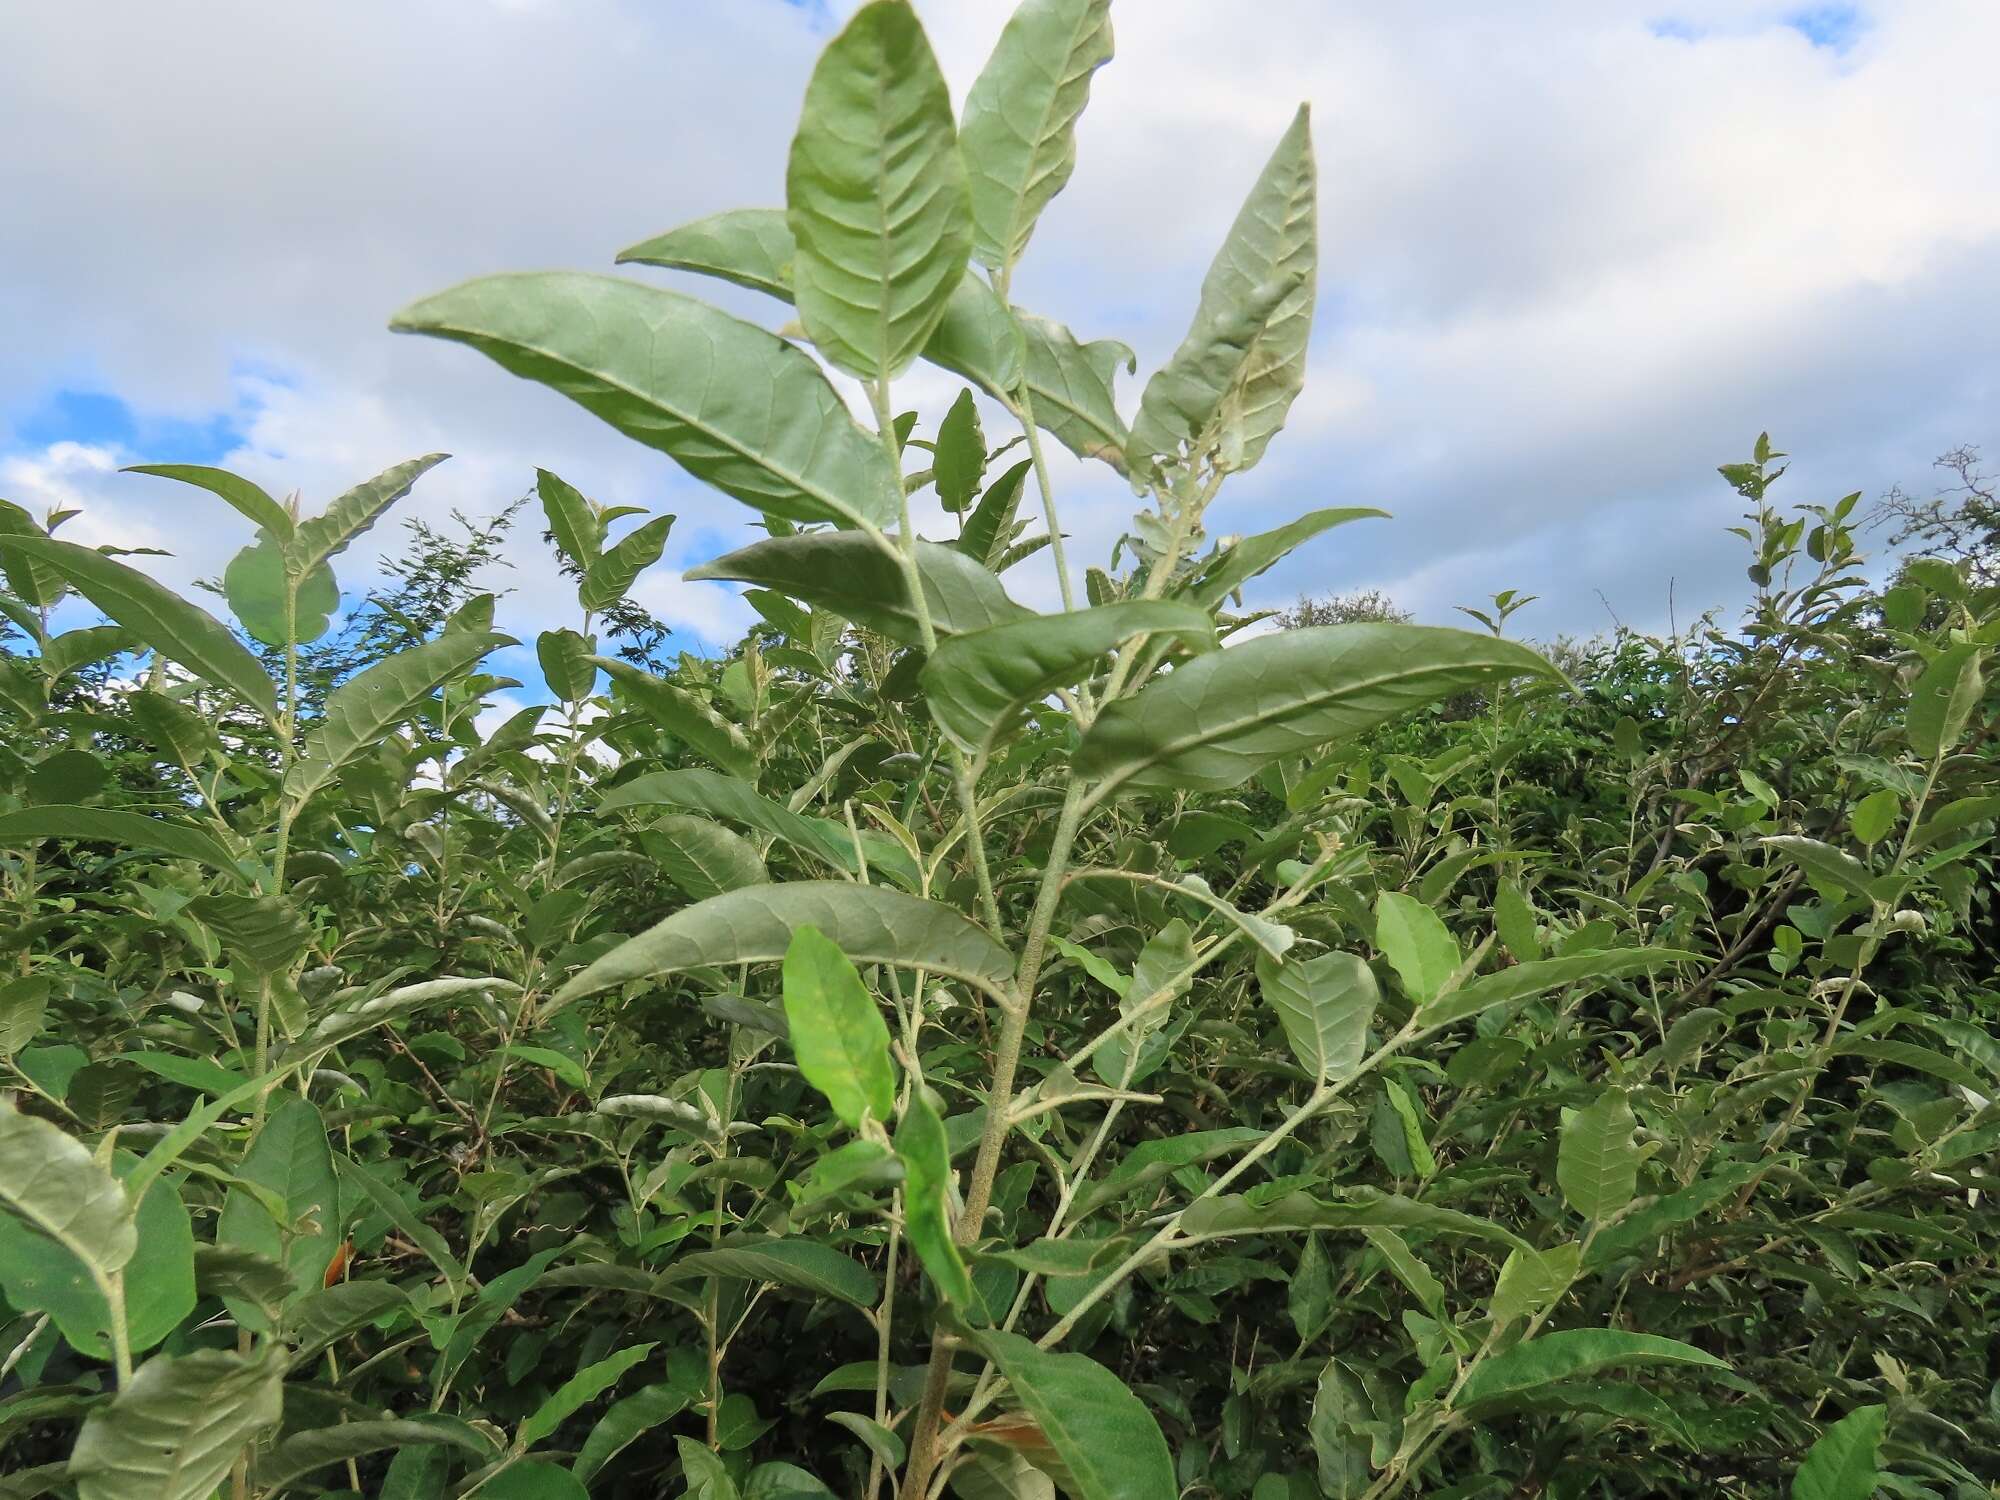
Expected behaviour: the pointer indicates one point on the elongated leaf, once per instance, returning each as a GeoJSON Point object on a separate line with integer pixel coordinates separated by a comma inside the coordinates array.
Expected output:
{"type": "Point", "coordinates": [290, 1159]}
{"type": "Point", "coordinates": [331, 531]}
{"type": "Point", "coordinates": [1325, 1005]}
{"type": "Point", "coordinates": [628, 1420]}
{"type": "Point", "coordinates": [705, 859]}
{"type": "Point", "coordinates": [262, 934]}
{"type": "Point", "coordinates": [852, 576]}
{"type": "Point", "coordinates": [364, 709]}
{"type": "Point", "coordinates": [958, 462]}
{"type": "Point", "coordinates": [803, 1264]}
{"type": "Point", "coordinates": [585, 1386]}
{"type": "Point", "coordinates": [1235, 374]}
{"type": "Point", "coordinates": [875, 195]}
{"type": "Point", "coordinates": [1105, 1437]}
{"type": "Point", "coordinates": [1019, 131]}
{"type": "Point", "coordinates": [992, 520]}
{"type": "Point", "coordinates": [1943, 699]}
{"type": "Point", "coordinates": [180, 631]}
{"type": "Point", "coordinates": [1236, 565]}
{"type": "Point", "coordinates": [612, 575]}
{"type": "Point", "coordinates": [1524, 981]}
{"type": "Point", "coordinates": [1234, 1214]}
{"type": "Point", "coordinates": [249, 499]}
{"type": "Point", "coordinates": [1598, 1163]}
{"type": "Point", "coordinates": [1072, 388]}
{"type": "Point", "coordinates": [977, 682]}
{"type": "Point", "coordinates": [110, 825]}
{"type": "Point", "coordinates": [684, 716]}
{"type": "Point", "coordinates": [317, 1448]}
{"type": "Point", "coordinates": [392, 1207]}
{"type": "Point", "coordinates": [1842, 1462]}
{"type": "Point", "coordinates": [733, 798]}
{"type": "Point", "coordinates": [1215, 721]}
{"type": "Point", "coordinates": [1825, 864]}
{"type": "Point", "coordinates": [837, 1030]}
{"type": "Point", "coordinates": [1571, 1354]}
{"type": "Point", "coordinates": [1417, 944]}
{"type": "Point", "coordinates": [1149, 1161]}
{"type": "Point", "coordinates": [731, 403]}
{"type": "Point", "coordinates": [572, 519]}
{"type": "Point", "coordinates": [51, 1183]}
{"type": "Point", "coordinates": [755, 925]}
{"type": "Point", "coordinates": [925, 1153]}
{"type": "Point", "coordinates": [175, 1430]}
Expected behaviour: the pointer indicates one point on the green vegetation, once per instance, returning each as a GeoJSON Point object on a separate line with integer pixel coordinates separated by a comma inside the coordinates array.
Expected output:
{"type": "Point", "coordinates": [945, 1048]}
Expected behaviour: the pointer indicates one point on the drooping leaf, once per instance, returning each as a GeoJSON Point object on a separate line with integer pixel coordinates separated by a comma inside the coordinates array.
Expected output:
{"type": "Point", "coordinates": [567, 663]}
{"type": "Point", "coordinates": [303, 1453]}
{"type": "Point", "coordinates": [978, 681]}
{"type": "Point", "coordinates": [1071, 386]}
{"type": "Point", "coordinates": [925, 1153]}
{"type": "Point", "coordinates": [959, 462]}
{"type": "Point", "coordinates": [1235, 1214]}
{"type": "Point", "coordinates": [1236, 565]}
{"type": "Point", "coordinates": [731, 403]}
{"type": "Point", "coordinates": [1523, 981]}
{"type": "Point", "coordinates": [1019, 131]}
{"type": "Point", "coordinates": [793, 1261]}
{"type": "Point", "coordinates": [248, 498]}
{"type": "Point", "coordinates": [733, 798]}
{"type": "Point", "coordinates": [875, 195]}
{"type": "Point", "coordinates": [174, 1432]}
{"type": "Point", "coordinates": [755, 925]}
{"type": "Point", "coordinates": [57, 1193]}
{"type": "Point", "coordinates": [1215, 721]}
{"type": "Point", "coordinates": [1842, 1462]}
{"type": "Point", "coordinates": [684, 716]}
{"type": "Point", "coordinates": [852, 576]}
{"type": "Point", "coordinates": [629, 1419]}
{"type": "Point", "coordinates": [261, 934]}
{"type": "Point", "coordinates": [1826, 865]}
{"type": "Point", "coordinates": [1572, 1354]}
{"type": "Point", "coordinates": [1149, 1161]}
{"type": "Point", "coordinates": [256, 583]}
{"type": "Point", "coordinates": [110, 825]}
{"type": "Point", "coordinates": [705, 859]}
{"type": "Point", "coordinates": [1944, 698]}
{"type": "Point", "coordinates": [180, 631]}
{"type": "Point", "coordinates": [1108, 1442]}
{"type": "Point", "coordinates": [1324, 1004]}
{"type": "Point", "coordinates": [837, 1030]}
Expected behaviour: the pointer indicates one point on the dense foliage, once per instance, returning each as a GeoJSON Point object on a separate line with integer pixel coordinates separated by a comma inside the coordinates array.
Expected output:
{"type": "Point", "coordinates": [945, 1047]}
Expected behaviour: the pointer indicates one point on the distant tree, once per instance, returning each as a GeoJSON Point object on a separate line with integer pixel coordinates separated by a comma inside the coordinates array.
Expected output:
{"type": "Point", "coordinates": [1960, 523]}
{"type": "Point", "coordinates": [1344, 609]}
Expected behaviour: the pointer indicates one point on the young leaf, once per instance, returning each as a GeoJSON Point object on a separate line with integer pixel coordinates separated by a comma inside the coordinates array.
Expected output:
{"type": "Point", "coordinates": [249, 499]}
{"type": "Point", "coordinates": [731, 403]}
{"type": "Point", "coordinates": [925, 1153]}
{"type": "Point", "coordinates": [870, 924]}
{"type": "Point", "coordinates": [960, 460]}
{"type": "Point", "coordinates": [837, 1030]}
{"type": "Point", "coordinates": [1597, 1163]}
{"type": "Point", "coordinates": [978, 681]}
{"type": "Point", "coordinates": [327, 534]}
{"type": "Point", "coordinates": [1019, 131]}
{"type": "Point", "coordinates": [585, 1386]}
{"type": "Point", "coordinates": [180, 631]}
{"type": "Point", "coordinates": [256, 583]}
{"type": "Point", "coordinates": [1236, 565]}
{"type": "Point", "coordinates": [1325, 1005]}
{"type": "Point", "coordinates": [1842, 1462]}
{"type": "Point", "coordinates": [1104, 1435]}
{"type": "Point", "coordinates": [852, 576]}
{"type": "Point", "coordinates": [612, 575]}
{"type": "Point", "coordinates": [573, 521]}
{"type": "Point", "coordinates": [875, 195]}
{"type": "Point", "coordinates": [1217, 720]}
{"type": "Point", "coordinates": [1243, 361]}
{"type": "Point", "coordinates": [1071, 386]}
{"type": "Point", "coordinates": [1417, 944]}
{"type": "Point", "coordinates": [174, 1432]}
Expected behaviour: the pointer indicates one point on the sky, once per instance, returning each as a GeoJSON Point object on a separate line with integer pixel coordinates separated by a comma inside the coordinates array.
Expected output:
{"type": "Point", "coordinates": [1572, 256]}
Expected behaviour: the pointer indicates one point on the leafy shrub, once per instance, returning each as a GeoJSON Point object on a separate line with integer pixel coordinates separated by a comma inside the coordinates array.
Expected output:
{"type": "Point", "coordinates": [944, 1046]}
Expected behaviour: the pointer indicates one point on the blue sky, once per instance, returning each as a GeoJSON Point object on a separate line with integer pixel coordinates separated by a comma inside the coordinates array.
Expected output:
{"type": "Point", "coordinates": [1573, 256]}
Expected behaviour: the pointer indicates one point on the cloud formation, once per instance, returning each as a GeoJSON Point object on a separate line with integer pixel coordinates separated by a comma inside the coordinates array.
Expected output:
{"type": "Point", "coordinates": [1572, 257]}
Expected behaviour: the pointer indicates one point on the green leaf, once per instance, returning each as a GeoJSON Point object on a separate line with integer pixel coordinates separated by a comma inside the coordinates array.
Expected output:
{"type": "Point", "coordinates": [399, 1213]}
{"type": "Point", "coordinates": [803, 1264]}
{"type": "Point", "coordinates": [111, 826]}
{"type": "Point", "coordinates": [1325, 1005]}
{"type": "Point", "coordinates": [1019, 131]}
{"type": "Point", "coordinates": [837, 1030]}
{"type": "Point", "coordinates": [1071, 386]}
{"type": "Point", "coordinates": [1874, 815]}
{"type": "Point", "coordinates": [1235, 565]}
{"type": "Point", "coordinates": [960, 460]}
{"type": "Point", "coordinates": [871, 925]}
{"type": "Point", "coordinates": [992, 520]}
{"type": "Point", "coordinates": [1572, 1354]}
{"type": "Point", "coordinates": [684, 716]}
{"type": "Point", "coordinates": [174, 1432]}
{"type": "Point", "coordinates": [1524, 981]}
{"type": "Point", "coordinates": [572, 519]}
{"type": "Point", "coordinates": [329, 533]}
{"type": "Point", "coordinates": [582, 1388]}
{"type": "Point", "coordinates": [50, 1182]}
{"type": "Point", "coordinates": [23, 1007]}
{"type": "Point", "coordinates": [291, 1159]}
{"type": "Point", "coordinates": [1341, 1415]}
{"type": "Point", "coordinates": [1842, 1462]}
{"type": "Point", "coordinates": [854, 577]}
{"type": "Point", "coordinates": [612, 575]}
{"type": "Point", "coordinates": [534, 1480]}
{"type": "Point", "coordinates": [303, 1453]}
{"type": "Point", "coordinates": [1234, 376]}
{"type": "Point", "coordinates": [1942, 701]}
{"type": "Point", "coordinates": [925, 1153]}
{"type": "Point", "coordinates": [256, 584]}
{"type": "Point", "coordinates": [705, 859]}
{"type": "Point", "coordinates": [1104, 1435]}
{"type": "Point", "coordinates": [1214, 722]}
{"type": "Point", "coordinates": [627, 1421]}
{"type": "Point", "coordinates": [1531, 1280]}
{"type": "Point", "coordinates": [249, 499]}
{"type": "Point", "coordinates": [1824, 864]}
{"type": "Point", "coordinates": [1237, 1214]}
{"type": "Point", "coordinates": [1149, 1161]}
{"type": "Point", "coordinates": [731, 403]}
{"type": "Point", "coordinates": [1597, 1163]}
{"type": "Point", "coordinates": [1419, 947]}
{"type": "Point", "coordinates": [979, 681]}
{"type": "Point", "coordinates": [1514, 920]}
{"type": "Point", "coordinates": [875, 195]}
{"type": "Point", "coordinates": [180, 631]}
{"type": "Point", "coordinates": [361, 711]}
{"type": "Point", "coordinates": [567, 664]}
{"type": "Point", "coordinates": [263, 934]}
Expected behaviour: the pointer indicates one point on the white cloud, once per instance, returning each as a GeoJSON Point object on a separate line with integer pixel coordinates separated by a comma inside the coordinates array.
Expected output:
{"type": "Point", "coordinates": [1569, 262]}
